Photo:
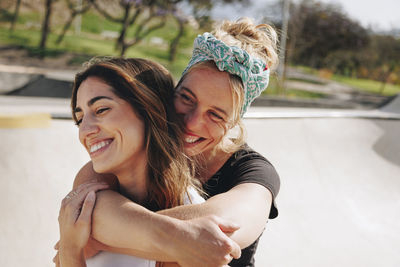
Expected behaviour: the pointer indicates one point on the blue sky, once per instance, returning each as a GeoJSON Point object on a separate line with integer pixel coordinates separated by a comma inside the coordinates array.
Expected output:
{"type": "Point", "coordinates": [380, 15]}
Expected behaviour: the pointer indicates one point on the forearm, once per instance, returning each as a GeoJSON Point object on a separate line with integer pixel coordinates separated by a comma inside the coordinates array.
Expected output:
{"type": "Point", "coordinates": [120, 225]}
{"type": "Point", "coordinates": [130, 228]}
{"type": "Point", "coordinates": [72, 259]}
{"type": "Point", "coordinates": [247, 205]}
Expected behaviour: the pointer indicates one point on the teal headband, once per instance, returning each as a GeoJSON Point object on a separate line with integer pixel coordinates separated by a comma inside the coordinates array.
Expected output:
{"type": "Point", "coordinates": [253, 71]}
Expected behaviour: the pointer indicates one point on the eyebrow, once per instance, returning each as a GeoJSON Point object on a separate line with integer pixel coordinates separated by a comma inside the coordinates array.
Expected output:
{"type": "Point", "coordinates": [92, 101]}
{"type": "Point", "coordinates": [214, 107]}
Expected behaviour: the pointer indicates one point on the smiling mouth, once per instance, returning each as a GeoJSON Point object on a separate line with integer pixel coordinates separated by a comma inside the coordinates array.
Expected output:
{"type": "Point", "coordinates": [193, 139]}
{"type": "Point", "coordinates": [98, 146]}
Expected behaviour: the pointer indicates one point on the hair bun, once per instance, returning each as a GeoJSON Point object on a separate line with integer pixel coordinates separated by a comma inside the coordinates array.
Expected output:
{"type": "Point", "coordinates": [260, 41]}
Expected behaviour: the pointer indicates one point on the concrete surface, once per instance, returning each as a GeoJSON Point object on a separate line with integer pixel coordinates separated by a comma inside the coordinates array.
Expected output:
{"type": "Point", "coordinates": [339, 201]}
{"type": "Point", "coordinates": [340, 194]}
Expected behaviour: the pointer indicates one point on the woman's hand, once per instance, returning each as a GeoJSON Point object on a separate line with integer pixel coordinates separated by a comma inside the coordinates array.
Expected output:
{"type": "Point", "coordinates": [75, 223]}
{"type": "Point", "coordinates": [204, 241]}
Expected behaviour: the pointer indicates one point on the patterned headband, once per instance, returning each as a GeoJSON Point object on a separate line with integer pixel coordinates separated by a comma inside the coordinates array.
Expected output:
{"type": "Point", "coordinates": [253, 71]}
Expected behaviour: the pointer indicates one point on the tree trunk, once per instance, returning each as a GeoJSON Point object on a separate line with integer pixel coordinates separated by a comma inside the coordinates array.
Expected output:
{"type": "Point", "coordinates": [66, 27]}
{"type": "Point", "coordinates": [46, 25]}
{"type": "Point", "coordinates": [174, 44]}
{"type": "Point", "coordinates": [385, 79]}
{"type": "Point", "coordinates": [15, 17]}
{"type": "Point", "coordinates": [122, 34]}
{"type": "Point", "coordinates": [124, 47]}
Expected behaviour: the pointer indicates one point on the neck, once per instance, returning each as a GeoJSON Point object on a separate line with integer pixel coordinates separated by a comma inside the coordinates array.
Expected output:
{"type": "Point", "coordinates": [133, 181]}
{"type": "Point", "coordinates": [210, 162]}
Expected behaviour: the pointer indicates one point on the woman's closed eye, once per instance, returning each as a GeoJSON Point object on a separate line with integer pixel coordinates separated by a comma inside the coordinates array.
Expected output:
{"type": "Point", "coordinates": [98, 111]}
{"type": "Point", "coordinates": [186, 99]}
{"type": "Point", "coordinates": [216, 117]}
{"type": "Point", "coordinates": [101, 110]}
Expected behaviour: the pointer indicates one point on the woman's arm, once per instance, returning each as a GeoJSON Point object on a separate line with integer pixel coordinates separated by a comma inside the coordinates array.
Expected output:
{"type": "Point", "coordinates": [120, 223]}
{"type": "Point", "coordinates": [246, 204]}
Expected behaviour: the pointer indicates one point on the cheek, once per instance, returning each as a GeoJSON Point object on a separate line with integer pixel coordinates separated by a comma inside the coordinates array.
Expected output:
{"type": "Point", "coordinates": [133, 133]}
{"type": "Point", "coordinates": [180, 108]}
{"type": "Point", "coordinates": [80, 136]}
{"type": "Point", "coordinates": [218, 131]}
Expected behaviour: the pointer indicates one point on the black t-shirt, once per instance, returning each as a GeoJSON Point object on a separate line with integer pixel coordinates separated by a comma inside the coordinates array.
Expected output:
{"type": "Point", "coordinates": [245, 166]}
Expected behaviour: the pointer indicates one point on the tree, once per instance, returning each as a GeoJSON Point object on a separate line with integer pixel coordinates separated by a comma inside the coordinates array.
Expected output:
{"type": "Point", "coordinates": [388, 57]}
{"type": "Point", "coordinates": [15, 16]}
{"type": "Point", "coordinates": [173, 47]}
{"type": "Point", "coordinates": [146, 15]}
{"type": "Point", "coordinates": [320, 29]}
{"type": "Point", "coordinates": [46, 24]}
{"type": "Point", "coordinates": [74, 10]}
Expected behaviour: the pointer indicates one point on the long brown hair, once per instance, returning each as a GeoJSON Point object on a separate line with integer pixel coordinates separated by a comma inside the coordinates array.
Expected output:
{"type": "Point", "coordinates": [149, 88]}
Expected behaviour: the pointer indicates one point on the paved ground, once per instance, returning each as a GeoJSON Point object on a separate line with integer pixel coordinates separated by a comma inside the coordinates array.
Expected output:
{"type": "Point", "coordinates": [339, 201]}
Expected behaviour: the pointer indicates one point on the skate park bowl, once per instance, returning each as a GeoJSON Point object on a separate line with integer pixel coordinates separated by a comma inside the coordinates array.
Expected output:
{"type": "Point", "coordinates": [339, 203]}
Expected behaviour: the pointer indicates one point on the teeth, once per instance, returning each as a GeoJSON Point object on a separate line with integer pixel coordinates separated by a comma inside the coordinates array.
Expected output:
{"type": "Point", "coordinates": [97, 146]}
{"type": "Point", "coordinates": [191, 139]}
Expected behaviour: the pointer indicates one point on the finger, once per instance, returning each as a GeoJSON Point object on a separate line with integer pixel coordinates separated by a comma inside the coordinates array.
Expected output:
{"type": "Point", "coordinates": [236, 252]}
{"type": "Point", "coordinates": [228, 258]}
{"type": "Point", "coordinates": [82, 187]}
{"type": "Point", "coordinates": [227, 226]}
{"type": "Point", "coordinates": [87, 208]}
{"type": "Point", "coordinates": [80, 194]}
{"type": "Point", "coordinates": [57, 245]}
{"type": "Point", "coordinates": [55, 259]}
{"type": "Point", "coordinates": [71, 208]}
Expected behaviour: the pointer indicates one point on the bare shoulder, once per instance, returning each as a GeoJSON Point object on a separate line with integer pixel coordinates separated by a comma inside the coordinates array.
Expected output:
{"type": "Point", "coordinates": [86, 174]}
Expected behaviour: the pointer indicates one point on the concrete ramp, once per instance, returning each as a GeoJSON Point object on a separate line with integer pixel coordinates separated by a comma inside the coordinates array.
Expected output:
{"type": "Point", "coordinates": [339, 202]}
{"type": "Point", "coordinates": [393, 106]}
{"type": "Point", "coordinates": [340, 194]}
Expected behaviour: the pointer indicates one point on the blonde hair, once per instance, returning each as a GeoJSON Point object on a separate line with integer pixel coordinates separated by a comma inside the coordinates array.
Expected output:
{"type": "Point", "coordinates": [149, 89]}
{"type": "Point", "coordinates": [260, 41]}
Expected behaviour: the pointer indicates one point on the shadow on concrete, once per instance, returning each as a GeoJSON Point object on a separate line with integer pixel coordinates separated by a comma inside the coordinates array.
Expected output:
{"type": "Point", "coordinates": [386, 146]}
{"type": "Point", "coordinates": [42, 86]}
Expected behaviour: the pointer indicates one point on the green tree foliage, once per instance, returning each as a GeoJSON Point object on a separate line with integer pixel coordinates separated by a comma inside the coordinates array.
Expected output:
{"type": "Point", "coordinates": [322, 36]}
{"type": "Point", "coordinates": [381, 60]}
{"type": "Point", "coordinates": [74, 10]}
{"type": "Point", "coordinates": [321, 30]}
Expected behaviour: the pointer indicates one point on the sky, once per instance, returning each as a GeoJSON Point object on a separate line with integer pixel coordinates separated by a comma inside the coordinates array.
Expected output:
{"type": "Point", "coordinates": [379, 15]}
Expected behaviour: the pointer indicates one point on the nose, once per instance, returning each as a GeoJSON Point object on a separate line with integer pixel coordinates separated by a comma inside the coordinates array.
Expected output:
{"type": "Point", "coordinates": [87, 128]}
{"type": "Point", "coordinates": [193, 120]}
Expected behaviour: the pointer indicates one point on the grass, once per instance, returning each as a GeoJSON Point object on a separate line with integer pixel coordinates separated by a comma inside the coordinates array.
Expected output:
{"type": "Point", "coordinates": [275, 90]}
{"type": "Point", "coordinates": [368, 85]}
{"type": "Point", "coordinates": [90, 42]}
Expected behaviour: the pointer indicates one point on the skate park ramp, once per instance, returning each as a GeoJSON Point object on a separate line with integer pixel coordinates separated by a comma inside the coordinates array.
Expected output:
{"type": "Point", "coordinates": [340, 182]}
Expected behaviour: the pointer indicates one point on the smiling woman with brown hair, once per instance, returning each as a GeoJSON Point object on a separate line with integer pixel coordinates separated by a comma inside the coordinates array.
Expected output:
{"type": "Point", "coordinates": [123, 112]}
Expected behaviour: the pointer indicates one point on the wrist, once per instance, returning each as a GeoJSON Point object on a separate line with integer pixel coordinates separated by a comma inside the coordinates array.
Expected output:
{"type": "Point", "coordinates": [167, 240]}
{"type": "Point", "coordinates": [71, 257]}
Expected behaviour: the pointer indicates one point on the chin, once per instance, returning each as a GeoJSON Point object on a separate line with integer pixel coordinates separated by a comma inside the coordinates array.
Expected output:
{"type": "Point", "coordinates": [100, 168]}
{"type": "Point", "coordinates": [191, 152]}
